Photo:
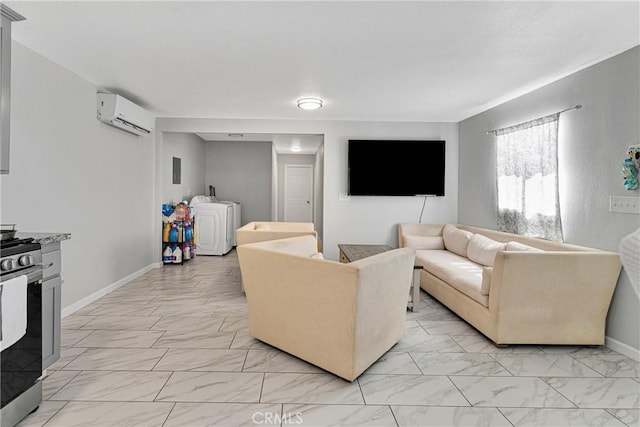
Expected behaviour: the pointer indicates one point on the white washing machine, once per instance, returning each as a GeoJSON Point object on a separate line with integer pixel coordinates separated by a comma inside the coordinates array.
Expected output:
{"type": "Point", "coordinates": [214, 223]}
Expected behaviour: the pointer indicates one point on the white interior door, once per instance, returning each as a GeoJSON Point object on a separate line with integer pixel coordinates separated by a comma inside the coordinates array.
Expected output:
{"type": "Point", "coordinates": [298, 193]}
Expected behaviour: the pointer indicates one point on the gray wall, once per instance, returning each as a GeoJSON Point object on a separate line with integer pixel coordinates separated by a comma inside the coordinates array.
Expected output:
{"type": "Point", "coordinates": [72, 173]}
{"type": "Point", "coordinates": [593, 142]}
{"type": "Point", "coordinates": [190, 148]}
{"type": "Point", "coordinates": [362, 219]}
{"type": "Point", "coordinates": [241, 172]}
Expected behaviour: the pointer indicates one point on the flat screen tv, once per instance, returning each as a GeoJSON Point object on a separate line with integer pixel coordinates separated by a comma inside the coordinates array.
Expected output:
{"type": "Point", "coordinates": [396, 168]}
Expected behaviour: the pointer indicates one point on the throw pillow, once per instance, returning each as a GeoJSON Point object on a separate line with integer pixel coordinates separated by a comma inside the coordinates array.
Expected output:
{"type": "Point", "coordinates": [456, 240]}
{"type": "Point", "coordinates": [486, 280]}
{"type": "Point", "coordinates": [483, 250]}
{"type": "Point", "coordinates": [516, 246]}
{"type": "Point", "coordinates": [423, 242]}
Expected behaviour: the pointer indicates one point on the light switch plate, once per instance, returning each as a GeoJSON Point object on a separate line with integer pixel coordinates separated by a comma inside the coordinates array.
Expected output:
{"type": "Point", "coordinates": [624, 204]}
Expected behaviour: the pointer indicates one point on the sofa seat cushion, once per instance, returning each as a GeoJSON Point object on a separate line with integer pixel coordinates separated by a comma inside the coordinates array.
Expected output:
{"type": "Point", "coordinates": [457, 271]}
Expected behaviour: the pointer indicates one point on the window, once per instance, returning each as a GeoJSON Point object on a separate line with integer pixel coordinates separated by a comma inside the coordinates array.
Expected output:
{"type": "Point", "coordinates": [527, 179]}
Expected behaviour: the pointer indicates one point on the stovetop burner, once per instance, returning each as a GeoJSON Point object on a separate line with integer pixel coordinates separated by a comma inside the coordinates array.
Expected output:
{"type": "Point", "coordinates": [17, 246]}
{"type": "Point", "coordinates": [14, 242]}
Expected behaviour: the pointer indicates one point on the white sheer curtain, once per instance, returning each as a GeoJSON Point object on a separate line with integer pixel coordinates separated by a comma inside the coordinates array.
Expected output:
{"type": "Point", "coordinates": [527, 179]}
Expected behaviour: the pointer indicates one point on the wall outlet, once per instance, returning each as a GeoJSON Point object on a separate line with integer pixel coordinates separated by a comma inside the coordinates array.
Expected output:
{"type": "Point", "coordinates": [344, 197]}
{"type": "Point", "coordinates": [624, 204]}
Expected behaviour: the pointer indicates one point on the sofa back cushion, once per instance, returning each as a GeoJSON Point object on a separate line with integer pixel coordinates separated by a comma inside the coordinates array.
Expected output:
{"type": "Point", "coordinates": [483, 250]}
{"type": "Point", "coordinates": [456, 240]}
{"type": "Point", "coordinates": [423, 242]}
{"type": "Point", "coordinates": [417, 229]}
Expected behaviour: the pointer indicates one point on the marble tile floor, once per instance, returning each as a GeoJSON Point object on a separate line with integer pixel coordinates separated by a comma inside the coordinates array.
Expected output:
{"type": "Point", "coordinates": [172, 348]}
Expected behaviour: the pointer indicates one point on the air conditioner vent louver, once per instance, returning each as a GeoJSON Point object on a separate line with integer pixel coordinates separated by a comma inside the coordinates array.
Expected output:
{"type": "Point", "coordinates": [113, 108]}
{"type": "Point", "coordinates": [132, 126]}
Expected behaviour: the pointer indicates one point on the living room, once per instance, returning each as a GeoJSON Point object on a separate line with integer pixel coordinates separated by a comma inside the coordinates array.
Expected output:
{"type": "Point", "coordinates": [71, 173]}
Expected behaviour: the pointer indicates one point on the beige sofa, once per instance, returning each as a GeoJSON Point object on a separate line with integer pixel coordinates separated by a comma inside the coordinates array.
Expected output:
{"type": "Point", "coordinates": [340, 317]}
{"type": "Point", "coordinates": [516, 289]}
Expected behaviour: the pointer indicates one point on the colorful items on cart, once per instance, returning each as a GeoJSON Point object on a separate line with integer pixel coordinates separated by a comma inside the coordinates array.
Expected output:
{"type": "Point", "coordinates": [178, 233]}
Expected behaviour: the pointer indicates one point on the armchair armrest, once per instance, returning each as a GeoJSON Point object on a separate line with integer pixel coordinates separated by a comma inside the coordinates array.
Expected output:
{"type": "Point", "coordinates": [381, 304]}
{"type": "Point", "coordinates": [554, 289]}
{"type": "Point", "coordinates": [302, 305]}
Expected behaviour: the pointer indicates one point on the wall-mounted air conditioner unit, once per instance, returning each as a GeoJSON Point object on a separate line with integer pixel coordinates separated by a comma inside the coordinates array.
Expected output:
{"type": "Point", "coordinates": [120, 112]}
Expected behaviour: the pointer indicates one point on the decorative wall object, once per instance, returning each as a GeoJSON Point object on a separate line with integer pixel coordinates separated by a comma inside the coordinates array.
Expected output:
{"type": "Point", "coordinates": [630, 167]}
{"type": "Point", "coordinates": [634, 154]}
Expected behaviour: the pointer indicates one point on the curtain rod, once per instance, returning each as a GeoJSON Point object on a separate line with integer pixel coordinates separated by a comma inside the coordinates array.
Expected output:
{"type": "Point", "coordinates": [575, 107]}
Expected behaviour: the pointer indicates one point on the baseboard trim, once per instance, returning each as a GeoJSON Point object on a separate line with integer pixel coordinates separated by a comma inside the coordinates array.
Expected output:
{"type": "Point", "coordinates": [70, 309]}
{"type": "Point", "coordinates": [622, 348]}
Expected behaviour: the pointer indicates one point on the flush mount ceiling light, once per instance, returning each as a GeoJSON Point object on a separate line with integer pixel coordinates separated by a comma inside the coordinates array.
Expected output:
{"type": "Point", "coordinates": [310, 103]}
{"type": "Point", "coordinates": [236, 135]}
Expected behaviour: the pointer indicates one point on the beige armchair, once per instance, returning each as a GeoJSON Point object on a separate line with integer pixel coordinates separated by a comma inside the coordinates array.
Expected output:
{"type": "Point", "coordinates": [260, 231]}
{"type": "Point", "coordinates": [339, 317]}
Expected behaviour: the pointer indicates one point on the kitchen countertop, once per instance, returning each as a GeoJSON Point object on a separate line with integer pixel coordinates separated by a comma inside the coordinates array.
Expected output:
{"type": "Point", "coordinates": [44, 238]}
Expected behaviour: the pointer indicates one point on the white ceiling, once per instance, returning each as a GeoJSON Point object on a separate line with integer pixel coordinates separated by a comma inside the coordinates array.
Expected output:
{"type": "Point", "coordinates": [369, 60]}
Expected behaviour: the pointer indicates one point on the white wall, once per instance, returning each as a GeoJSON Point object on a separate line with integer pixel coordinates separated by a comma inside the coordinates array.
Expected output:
{"type": "Point", "coordinates": [593, 142]}
{"type": "Point", "coordinates": [72, 173]}
{"type": "Point", "coordinates": [241, 172]}
{"type": "Point", "coordinates": [319, 201]}
{"type": "Point", "coordinates": [190, 149]}
{"type": "Point", "coordinates": [363, 219]}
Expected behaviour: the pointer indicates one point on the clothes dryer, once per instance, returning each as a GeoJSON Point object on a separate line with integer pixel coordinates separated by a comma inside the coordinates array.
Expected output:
{"type": "Point", "coordinates": [214, 224]}
{"type": "Point", "coordinates": [236, 212]}
{"type": "Point", "coordinates": [236, 219]}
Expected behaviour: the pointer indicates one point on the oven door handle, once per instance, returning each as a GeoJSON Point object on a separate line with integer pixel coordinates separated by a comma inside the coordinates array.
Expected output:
{"type": "Point", "coordinates": [44, 267]}
{"type": "Point", "coordinates": [33, 273]}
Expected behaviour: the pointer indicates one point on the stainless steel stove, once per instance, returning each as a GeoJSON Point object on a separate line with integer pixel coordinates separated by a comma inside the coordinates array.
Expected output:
{"type": "Point", "coordinates": [21, 361]}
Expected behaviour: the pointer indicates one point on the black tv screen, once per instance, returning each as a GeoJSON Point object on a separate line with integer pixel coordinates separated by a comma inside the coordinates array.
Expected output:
{"type": "Point", "coordinates": [396, 168]}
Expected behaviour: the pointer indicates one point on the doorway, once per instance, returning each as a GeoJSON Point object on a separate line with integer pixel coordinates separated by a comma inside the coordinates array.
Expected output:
{"type": "Point", "coordinates": [298, 193]}
{"type": "Point", "coordinates": [245, 167]}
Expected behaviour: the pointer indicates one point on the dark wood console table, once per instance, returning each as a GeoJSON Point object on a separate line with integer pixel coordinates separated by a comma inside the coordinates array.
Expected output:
{"type": "Point", "coordinates": [350, 253]}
